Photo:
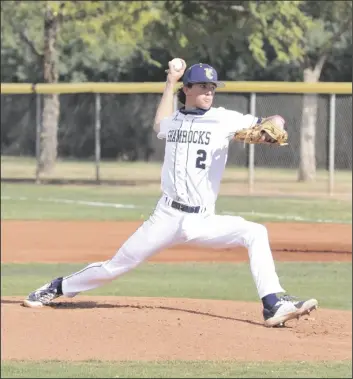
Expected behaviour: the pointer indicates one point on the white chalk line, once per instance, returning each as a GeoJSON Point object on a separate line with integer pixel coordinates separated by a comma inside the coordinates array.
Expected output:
{"type": "Point", "coordinates": [77, 202]}
{"type": "Point", "coordinates": [133, 206]}
{"type": "Point", "coordinates": [287, 218]}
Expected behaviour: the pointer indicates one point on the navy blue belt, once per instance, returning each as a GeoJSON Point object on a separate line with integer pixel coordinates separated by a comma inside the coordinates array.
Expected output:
{"type": "Point", "coordinates": [185, 208]}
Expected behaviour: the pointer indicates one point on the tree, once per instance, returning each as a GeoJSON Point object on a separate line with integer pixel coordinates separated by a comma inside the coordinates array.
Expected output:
{"type": "Point", "coordinates": [331, 29]}
{"type": "Point", "coordinates": [102, 28]}
{"type": "Point", "coordinates": [231, 33]}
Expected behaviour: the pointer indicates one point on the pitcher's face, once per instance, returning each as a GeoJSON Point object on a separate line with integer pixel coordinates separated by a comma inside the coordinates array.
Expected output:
{"type": "Point", "coordinates": [200, 95]}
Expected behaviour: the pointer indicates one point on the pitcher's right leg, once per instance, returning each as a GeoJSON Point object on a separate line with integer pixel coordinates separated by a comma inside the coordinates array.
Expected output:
{"type": "Point", "coordinates": [158, 232]}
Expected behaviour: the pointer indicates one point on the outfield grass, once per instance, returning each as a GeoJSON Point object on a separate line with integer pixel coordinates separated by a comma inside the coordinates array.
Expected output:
{"type": "Point", "coordinates": [235, 180]}
{"type": "Point", "coordinates": [74, 202]}
{"type": "Point", "coordinates": [330, 283]}
{"type": "Point", "coordinates": [175, 369]}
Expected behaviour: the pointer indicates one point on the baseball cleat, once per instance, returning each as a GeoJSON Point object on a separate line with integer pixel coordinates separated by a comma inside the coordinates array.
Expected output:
{"type": "Point", "coordinates": [288, 308]}
{"type": "Point", "coordinates": [304, 307]}
{"type": "Point", "coordinates": [281, 312]}
{"type": "Point", "coordinates": [43, 295]}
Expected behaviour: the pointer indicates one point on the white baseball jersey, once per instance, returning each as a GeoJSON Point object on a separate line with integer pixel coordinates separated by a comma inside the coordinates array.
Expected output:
{"type": "Point", "coordinates": [196, 153]}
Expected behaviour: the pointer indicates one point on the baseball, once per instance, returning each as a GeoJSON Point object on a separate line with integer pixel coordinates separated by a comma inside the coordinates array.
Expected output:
{"type": "Point", "coordinates": [278, 121]}
{"type": "Point", "coordinates": [177, 64]}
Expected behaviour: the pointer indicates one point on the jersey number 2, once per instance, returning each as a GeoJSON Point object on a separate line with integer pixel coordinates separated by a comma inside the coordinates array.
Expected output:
{"type": "Point", "coordinates": [201, 157]}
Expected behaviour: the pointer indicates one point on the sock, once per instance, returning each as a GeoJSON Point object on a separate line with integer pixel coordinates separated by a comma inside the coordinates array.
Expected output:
{"type": "Point", "coordinates": [59, 288]}
{"type": "Point", "coordinates": [269, 301]}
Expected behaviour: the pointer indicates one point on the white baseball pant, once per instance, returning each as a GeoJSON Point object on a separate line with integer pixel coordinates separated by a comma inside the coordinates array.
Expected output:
{"type": "Point", "coordinates": [167, 227]}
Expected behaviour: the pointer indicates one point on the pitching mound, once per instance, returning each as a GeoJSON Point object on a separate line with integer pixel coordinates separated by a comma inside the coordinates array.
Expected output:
{"type": "Point", "coordinates": [122, 328]}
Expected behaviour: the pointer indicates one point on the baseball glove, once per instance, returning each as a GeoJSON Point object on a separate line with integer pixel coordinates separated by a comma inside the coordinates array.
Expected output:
{"type": "Point", "coordinates": [270, 130]}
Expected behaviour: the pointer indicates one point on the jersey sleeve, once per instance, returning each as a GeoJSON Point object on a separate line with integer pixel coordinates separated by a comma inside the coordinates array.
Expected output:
{"type": "Point", "coordinates": [236, 121]}
{"type": "Point", "coordinates": [163, 128]}
{"type": "Point", "coordinates": [165, 125]}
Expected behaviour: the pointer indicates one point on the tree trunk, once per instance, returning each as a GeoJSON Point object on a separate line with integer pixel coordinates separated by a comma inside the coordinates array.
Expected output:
{"type": "Point", "coordinates": [51, 104]}
{"type": "Point", "coordinates": [307, 166]}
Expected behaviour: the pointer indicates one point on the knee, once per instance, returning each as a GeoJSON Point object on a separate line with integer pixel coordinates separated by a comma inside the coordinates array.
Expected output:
{"type": "Point", "coordinates": [121, 262]}
{"type": "Point", "coordinates": [255, 232]}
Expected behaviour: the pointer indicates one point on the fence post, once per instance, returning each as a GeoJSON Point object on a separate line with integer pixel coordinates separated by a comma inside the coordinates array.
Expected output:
{"type": "Point", "coordinates": [38, 135]}
{"type": "Point", "coordinates": [252, 147]}
{"type": "Point", "coordinates": [332, 126]}
{"type": "Point", "coordinates": [97, 129]}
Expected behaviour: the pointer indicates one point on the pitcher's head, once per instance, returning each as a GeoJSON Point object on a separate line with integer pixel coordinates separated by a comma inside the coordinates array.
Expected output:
{"type": "Point", "coordinates": [199, 85]}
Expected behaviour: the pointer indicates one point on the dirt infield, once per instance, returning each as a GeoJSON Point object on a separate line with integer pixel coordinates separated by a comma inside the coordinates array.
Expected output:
{"type": "Point", "coordinates": [121, 328]}
{"type": "Point", "coordinates": [53, 241]}
{"type": "Point", "coordinates": [165, 329]}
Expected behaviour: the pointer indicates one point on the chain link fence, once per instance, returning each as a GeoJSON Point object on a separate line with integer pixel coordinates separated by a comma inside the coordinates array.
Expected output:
{"type": "Point", "coordinates": [99, 131]}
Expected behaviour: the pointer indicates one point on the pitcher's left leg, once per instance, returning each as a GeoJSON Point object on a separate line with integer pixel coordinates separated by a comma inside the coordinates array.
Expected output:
{"type": "Point", "coordinates": [226, 231]}
{"type": "Point", "coordinates": [255, 238]}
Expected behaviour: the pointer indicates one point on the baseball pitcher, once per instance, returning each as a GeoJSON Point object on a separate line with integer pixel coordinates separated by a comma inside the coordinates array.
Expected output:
{"type": "Point", "coordinates": [197, 138]}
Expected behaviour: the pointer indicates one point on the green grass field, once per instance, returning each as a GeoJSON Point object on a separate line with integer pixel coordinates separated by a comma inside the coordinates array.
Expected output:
{"type": "Point", "coordinates": [74, 202]}
{"type": "Point", "coordinates": [268, 181]}
{"type": "Point", "coordinates": [177, 369]}
{"type": "Point", "coordinates": [331, 283]}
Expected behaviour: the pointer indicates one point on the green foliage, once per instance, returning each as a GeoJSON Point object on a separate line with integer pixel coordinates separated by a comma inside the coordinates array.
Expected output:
{"type": "Point", "coordinates": [251, 27]}
{"type": "Point", "coordinates": [330, 31]}
{"type": "Point", "coordinates": [91, 32]}
{"type": "Point", "coordinates": [282, 25]}
{"type": "Point", "coordinates": [108, 29]}
{"type": "Point", "coordinates": [20, 60]}
{"type": "Point", "coordinates": [120, 40]}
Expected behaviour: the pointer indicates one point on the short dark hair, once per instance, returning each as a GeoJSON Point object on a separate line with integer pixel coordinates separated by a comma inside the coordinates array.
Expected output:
{"type": "Point", "coordinates": [181, 94]}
